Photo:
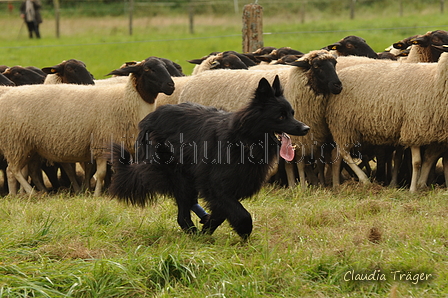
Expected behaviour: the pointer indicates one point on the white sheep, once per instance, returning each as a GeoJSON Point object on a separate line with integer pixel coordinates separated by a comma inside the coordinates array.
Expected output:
{"type": "Point", "coordinates": [389, 104]}
{"type": "Point", "coordinates": [74, 123]}
{"type": "Point", "coordinates": [307, 83]}
{"type": "Point", "coordinates": [224, 60]}
{"type": "Point", "coordinates": [418, 53]}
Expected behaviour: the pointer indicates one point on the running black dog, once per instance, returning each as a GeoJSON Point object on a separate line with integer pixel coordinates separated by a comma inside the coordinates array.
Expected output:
{"type": "Point", "coordinates": [189, 150]}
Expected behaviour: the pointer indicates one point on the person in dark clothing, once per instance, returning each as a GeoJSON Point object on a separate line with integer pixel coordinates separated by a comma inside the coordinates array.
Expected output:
{"type": "Point", "coordinates": [30, 13]}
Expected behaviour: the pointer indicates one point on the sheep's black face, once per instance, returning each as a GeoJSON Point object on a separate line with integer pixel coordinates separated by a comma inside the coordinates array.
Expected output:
{"type": "Point", "coordinates": [325, 76]}
{"type": "Point", "coordinates": [353, 46]}
{"type": "Point", "coordinates": [151, 78]}
{"type": "Point", "coordinates": [155, 77]}
{"type": "Point", "coordinates": [75, 72]}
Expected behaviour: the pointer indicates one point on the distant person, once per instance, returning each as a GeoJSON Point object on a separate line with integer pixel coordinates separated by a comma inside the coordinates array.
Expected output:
{"type": "Point", "coordinates": [30, 13]}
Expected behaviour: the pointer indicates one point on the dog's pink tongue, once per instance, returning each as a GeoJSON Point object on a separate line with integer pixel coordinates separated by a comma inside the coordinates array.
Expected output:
{"type": "Point", "coordinates": [286, 150]}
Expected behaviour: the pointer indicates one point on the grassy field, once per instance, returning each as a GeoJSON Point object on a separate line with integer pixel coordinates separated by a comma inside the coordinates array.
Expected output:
{"type": "Point", "coordinates": [306, 243]}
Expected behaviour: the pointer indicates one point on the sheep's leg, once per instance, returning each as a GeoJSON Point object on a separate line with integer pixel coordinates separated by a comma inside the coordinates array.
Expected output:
{"type": "Point", "coordinates": [302, 176]}
{"type": "Point", "coordinates": [70, 170]}
{"type": "Point", "coordinates": [398, 156]}
{"type": "Point", "coordinates": [101, 171]}
{"type": "Point", "coordinates": [35, 170]}
{"type": "Point", "coordinates": [359, 173]}
{"type": "Point", "coordinates": [336, 167]}
{"type": "Point", "coordinates": [290, 174]}
{"type": "Point", "coordinates": [321, 172]}
{"type": "Point", "coordinates": [13, 186]}
{"type": "Point", "coordinates": [15, 175]}
{"type": "Point", "coordinates": [89, 170]}
{"type": "Point", "coordinates": [273, 169]}
{"type": "Point", "coordinates": [445, 167]}
{"type": "Point", "coordinates": [432, 153]}
{"type": "Point", "coordinates": [416, 165]}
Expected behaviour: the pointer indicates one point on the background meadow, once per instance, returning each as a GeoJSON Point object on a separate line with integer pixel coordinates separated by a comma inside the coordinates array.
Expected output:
{"type": "Point", "coordinates": [305, 243]}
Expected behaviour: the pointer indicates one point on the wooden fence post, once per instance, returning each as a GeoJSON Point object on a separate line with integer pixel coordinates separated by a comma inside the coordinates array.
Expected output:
{"type": "Point", "coordinates": [352, 9]}
{"type": "Point", "coordinates": [57, 16]}
{"type": "Point", "coordinates": [302, 12]}
{"type": "Point", "coordinates": [442, 4]}
{"type": "Point", "coordinates": [252, 27]}
{"type": "Point", "coordinates": [131, 14]}
{"type": "Point", "coordinates": [191, 16]}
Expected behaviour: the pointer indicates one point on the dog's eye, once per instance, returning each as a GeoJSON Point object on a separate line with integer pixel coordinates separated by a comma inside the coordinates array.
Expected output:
{"type": "Point", "coordinates": [281, 118]}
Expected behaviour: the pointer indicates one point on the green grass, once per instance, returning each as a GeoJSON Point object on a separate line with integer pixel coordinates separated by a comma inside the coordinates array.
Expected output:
{"type": "Point", "coordinates": [305, 243]}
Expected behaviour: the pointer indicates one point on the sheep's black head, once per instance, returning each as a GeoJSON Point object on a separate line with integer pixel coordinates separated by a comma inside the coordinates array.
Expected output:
{"type": "Point", "coordinates": [151, 78]}
{"type": "Point", "coordinates": [320, 67]}
{"type": "Point", "coordinates": [71, 71]}
{"type": "Point", "coordinates": [405, 43]}
{"type": "Point", "coordinates": [353, 46]}
{"type": "Point", "coordinates": [23, 76]}
{"type": "Point", "coordinates": [437, 40]}
{"type": "Point", "coordinates": [227, 61]}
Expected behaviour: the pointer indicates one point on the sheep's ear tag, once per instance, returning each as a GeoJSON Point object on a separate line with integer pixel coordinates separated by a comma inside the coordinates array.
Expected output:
{"type": "Point", "coordinates": [415, 42]}
{"type": "Point", "coordinates": [334, 47]}
{"type": "Point", "coordinates": [53, 70]}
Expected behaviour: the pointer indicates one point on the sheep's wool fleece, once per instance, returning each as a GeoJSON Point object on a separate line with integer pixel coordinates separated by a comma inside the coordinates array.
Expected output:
{"type": "Point", "coordinates": [395, 104]}
{"type": "Point", "coordinates": [68, 123]}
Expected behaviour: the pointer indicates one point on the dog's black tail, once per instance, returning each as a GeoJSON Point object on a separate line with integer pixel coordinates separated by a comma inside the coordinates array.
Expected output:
{"type": "Point", "coordinates": [136, 183]}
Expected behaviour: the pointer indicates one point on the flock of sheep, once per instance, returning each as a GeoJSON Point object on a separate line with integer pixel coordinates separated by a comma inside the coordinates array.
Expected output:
{"type": "Point", "coordinates": [359, 104]}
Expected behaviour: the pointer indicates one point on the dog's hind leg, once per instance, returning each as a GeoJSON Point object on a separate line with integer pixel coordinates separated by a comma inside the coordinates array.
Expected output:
{"type": "Point", "coordinates": [185, 199]}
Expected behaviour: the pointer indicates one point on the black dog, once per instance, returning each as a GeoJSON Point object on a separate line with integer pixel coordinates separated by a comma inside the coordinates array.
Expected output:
{"type": "Point", "coordinates": [189, 150]}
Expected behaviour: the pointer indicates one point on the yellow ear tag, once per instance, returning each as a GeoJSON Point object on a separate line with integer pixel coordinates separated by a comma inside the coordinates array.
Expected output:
{"type": "Point", "coordinates": [53, 70]}
{"type": "Point", "coordinates": [333, 48]}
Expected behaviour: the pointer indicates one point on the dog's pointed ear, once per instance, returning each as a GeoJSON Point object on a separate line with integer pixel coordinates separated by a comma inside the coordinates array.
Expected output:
{"type": "Point", "coordinates": [264, 91]}
{"type": "Point", "coordinates": [277, 86]}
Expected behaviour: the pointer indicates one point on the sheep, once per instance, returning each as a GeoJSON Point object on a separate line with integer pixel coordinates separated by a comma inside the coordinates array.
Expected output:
{"type": "Point", "coordinates": [389, 104]}
{"type": "Point", "coordinates": [429, 46]}
{"type": "Point", "coordinates": [73, 123]}
{"type": "Point", "coordinates": [70, 71]}
{"type": "Point", "coordinates": [307, 83]}
{"type": "Point", "coordinates": [23, 76]}
{"type": "Point", "coordinates": [4, 81]}
{"type": "Point", "coordinates": [356, 46]}
{"type": "Point", "coordinates": [421, 49]}
{"type": "Point", "coordinates": [173, 68]}
{"type": "Point", "coordinates": [225, 60]}
{"type": "Point", "coordinates": [278, 54]}
{"type": "Point", "coordinates": [352, 46]}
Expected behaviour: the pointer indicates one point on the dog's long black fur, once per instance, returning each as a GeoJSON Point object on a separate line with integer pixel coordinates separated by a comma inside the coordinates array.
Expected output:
{"type": "Point", "coordinates": [188, 150]}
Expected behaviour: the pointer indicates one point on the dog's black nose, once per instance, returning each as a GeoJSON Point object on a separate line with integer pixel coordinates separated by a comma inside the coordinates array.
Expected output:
{"type": "Point", "coordinates": [305, 130]}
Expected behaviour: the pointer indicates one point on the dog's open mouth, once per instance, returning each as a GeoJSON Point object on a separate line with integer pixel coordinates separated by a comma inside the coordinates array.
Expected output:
{"type": "Point", "coordinates": [286, 149]}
